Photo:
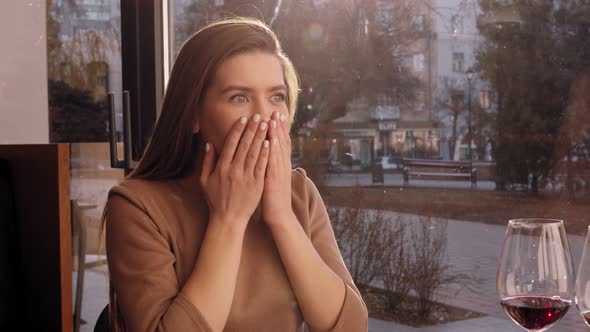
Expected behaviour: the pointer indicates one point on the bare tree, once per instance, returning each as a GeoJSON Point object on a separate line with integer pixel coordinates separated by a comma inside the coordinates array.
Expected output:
{"type": "Point", "coordinates": [431, 270]}
{"type": "Point", "coordinates": [397, 265]}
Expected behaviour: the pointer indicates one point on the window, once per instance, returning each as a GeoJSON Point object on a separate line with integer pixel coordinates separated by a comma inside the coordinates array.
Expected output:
{"type": "Point", "coordinates": [458, 62]}
{"type": "Point", "coordinates": [348, 58]}
{"type": "Point", "coordinates": [98, 16]}
{"type": "Point", "coordinates": [420, 105]}
{"type": "Point", "coordinates": [383, 100]}
{"type": "Point", "coordinates": [456, 24]}
{"type": "Point", "coordinates": [484, 99]}
{"type": "Point", "coordinates": [385, 17]}
{"type": "Point", "coordinates": [418, 62]}
{"type": "Point", "coordinates": [83, 65]}
{"type": "Point", "coordinates": [418, 23]}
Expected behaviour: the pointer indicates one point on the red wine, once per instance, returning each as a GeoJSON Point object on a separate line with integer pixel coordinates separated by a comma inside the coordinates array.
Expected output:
{"type": "Point", "coordinates": [586, 316]}
{"type": "Point", "coordinates": [535, 312]}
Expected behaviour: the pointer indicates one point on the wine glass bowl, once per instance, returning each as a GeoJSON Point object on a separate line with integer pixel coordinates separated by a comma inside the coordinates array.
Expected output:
{"type": "Point", "coordinates": [583, 282]}
{"type": "Point", "coordinates": [535, 280]}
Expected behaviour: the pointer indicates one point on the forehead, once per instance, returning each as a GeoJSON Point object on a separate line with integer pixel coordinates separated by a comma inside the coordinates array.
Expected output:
{"type": "Point", "coordinates": [253, 69]}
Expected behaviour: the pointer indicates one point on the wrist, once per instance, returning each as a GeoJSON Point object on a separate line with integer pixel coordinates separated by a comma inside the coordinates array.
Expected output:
{"type": "Point", "coordinates": [226, 225]}
{"type": "Point", "coordinates": [283, 223]}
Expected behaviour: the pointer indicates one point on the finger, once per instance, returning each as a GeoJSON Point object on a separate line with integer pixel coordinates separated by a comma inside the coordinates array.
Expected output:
{"type": "Point", "coordinates": [273, 159]}
{"type": "Point", "coordinates": [287, 132]}
{"type": "Point", "coordinates": [288, 146]}
{"type": "Point", "coordinates": [208, 165]}
{"type": "Point", "coordinates": [285, 127]}
{"type": "Point", "coordinates": [281, 137]}
{"type": "Point", "coordinates": [246, 141]}
{"type": "Point", "coordinates": [254, 152]}
{"type": "Point", "coordinates": [287, 138]}
{"type": "Point", "coordinates": [231, 142]}
{"type": "Point", "coordinates": [273, 130]}
{"type": "Point", "coordinates": [262, 163]}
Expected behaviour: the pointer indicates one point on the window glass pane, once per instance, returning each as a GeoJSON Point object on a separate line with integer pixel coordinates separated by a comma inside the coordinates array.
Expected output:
{"type": "Point", "coordinates": [456, 24]}
{"type": "Point", "coordinates": [443, 119]}
{"type": "Point", "coordinates": [458, 60]}
{"type": "Point", "coordinates": [84, 64]}
{"type": "Point", "coordinates": [418, 22]}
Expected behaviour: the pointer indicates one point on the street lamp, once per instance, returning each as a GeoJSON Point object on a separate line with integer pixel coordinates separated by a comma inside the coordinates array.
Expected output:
{"type": "Point", "coordinates": [469, 73]}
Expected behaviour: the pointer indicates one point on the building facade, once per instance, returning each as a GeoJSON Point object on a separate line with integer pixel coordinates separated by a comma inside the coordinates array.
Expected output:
{"type": "Point", "coordinates": [373, 131]}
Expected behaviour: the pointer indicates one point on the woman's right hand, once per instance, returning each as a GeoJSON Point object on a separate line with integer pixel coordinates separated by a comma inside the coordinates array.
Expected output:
{"type": "Point", "coordinates": [233, 184]}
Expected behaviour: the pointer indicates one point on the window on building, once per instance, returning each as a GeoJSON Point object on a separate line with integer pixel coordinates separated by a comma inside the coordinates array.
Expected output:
{"type": "Point", "coordinates": [458, 62]}
{"type": "Point", "coordinates": [418, 62]}
{"type": "Point", "coordinates": [384, 18]}
{"type": "Point", "coordinates": [418, 23]}
{"type": "Point", "coordinates": [456, 24]}
{"type": "Point", "coordinates": [484, 99]}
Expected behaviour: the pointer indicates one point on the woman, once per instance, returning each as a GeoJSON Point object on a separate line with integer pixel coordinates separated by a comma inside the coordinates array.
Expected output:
{"type": "Point", "coordinates": [213, 231]}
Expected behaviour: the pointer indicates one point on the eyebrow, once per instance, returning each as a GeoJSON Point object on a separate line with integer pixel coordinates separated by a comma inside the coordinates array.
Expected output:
{"type": "Point", "coordinates": [247, 89]}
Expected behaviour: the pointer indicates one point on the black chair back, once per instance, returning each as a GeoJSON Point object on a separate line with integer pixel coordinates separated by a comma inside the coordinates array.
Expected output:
{"type": "Point", "coordinates": [103, 323]}
{"type": "Point", "coordinates": [11, 303]}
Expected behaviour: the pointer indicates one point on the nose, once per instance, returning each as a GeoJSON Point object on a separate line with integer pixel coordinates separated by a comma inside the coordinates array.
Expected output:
{"type": "Point", "coordinates": [265, 110]}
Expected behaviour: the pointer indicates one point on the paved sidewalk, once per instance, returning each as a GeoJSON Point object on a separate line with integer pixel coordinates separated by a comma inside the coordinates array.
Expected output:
{"type": "Point", "coordinates": [485, 324]}
{"type": "Point", "coordinates": [475, 247]}
{"type": "Point", "coordinates": [396, 180]}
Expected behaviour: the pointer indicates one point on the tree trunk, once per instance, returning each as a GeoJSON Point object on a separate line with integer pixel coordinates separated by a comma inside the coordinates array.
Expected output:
{"type": "Point", "coordinates": [569, 179]}
{"type": "Point", "coordinates": [500, 170]}
{"type": "Point", "coordinates": [535, 184]}
{"type": "Point", "coordinates": [453, 141]}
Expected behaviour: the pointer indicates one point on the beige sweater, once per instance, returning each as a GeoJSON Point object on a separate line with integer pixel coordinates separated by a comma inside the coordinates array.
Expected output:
{"type": "Point", "coordinates": [154, 231]}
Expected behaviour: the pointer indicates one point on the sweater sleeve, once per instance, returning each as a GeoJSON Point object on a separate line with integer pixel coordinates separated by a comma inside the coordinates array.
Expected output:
{"type": "Point", "coordinates": [142, 275]}
{"type": "Point", "coordinates": [353, 315]}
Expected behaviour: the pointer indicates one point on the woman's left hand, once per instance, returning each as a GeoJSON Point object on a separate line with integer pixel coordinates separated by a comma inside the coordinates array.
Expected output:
{"type": "Point", "coordinates": [276, 197]}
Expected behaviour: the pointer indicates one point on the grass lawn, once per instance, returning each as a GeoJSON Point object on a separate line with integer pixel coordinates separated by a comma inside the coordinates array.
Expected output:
{"type": "Point", "coordinates": [467, 205]}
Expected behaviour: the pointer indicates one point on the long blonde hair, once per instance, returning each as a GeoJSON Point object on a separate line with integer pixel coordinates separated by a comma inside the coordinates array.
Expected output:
{"type": "Point", "coordinates": [171, 150]}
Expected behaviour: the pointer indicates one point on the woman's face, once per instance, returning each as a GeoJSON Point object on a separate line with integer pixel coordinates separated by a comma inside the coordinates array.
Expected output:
{"type": "Point", "coordinates": [244, 85]}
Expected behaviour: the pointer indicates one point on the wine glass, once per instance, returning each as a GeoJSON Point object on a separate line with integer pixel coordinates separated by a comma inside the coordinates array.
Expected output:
{"type": "Point", "coordinates": [583, 282]}
{"type": "Point", "coordinates": [536, 275]}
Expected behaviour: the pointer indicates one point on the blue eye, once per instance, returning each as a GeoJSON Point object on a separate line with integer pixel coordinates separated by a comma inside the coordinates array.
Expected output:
{"type": "Point", "coordinates": [279, 98]}
{"type": "Point", "coordinates": [239, 99]}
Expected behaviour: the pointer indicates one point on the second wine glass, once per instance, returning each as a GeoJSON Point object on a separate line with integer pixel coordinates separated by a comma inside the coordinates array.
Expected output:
{"type": "Point", "coordinates": [583, 282]}
{"type": "Point", "coordinates": [536, 276]}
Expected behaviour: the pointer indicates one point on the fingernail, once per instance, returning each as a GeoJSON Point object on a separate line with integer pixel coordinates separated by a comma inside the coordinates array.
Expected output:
{"type": "Point", "coordinates": [256, 118]}
{"type": "Point", "coordinates": [274, 124]}
{"type": "Point", "coordinates": [277, 115]}
{"type": "Point", "coordinates": [283, 117]}
{"type": "Point", "coordinates": [243, 120]}
{"type": "Point", "coordinates": [265, 144]}
{"type": "Point", "coordinates": [263, 126]}
{"type": "Point", "coordinates": [207, 147]}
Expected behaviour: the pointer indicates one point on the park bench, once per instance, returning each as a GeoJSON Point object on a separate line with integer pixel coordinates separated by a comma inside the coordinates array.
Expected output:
{"type": "Point", "coordinates": [439, 169]}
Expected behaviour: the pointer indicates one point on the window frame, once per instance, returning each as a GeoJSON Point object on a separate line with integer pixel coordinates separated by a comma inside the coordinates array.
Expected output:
{"type": "Point", "coordinates": [142, 53]}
